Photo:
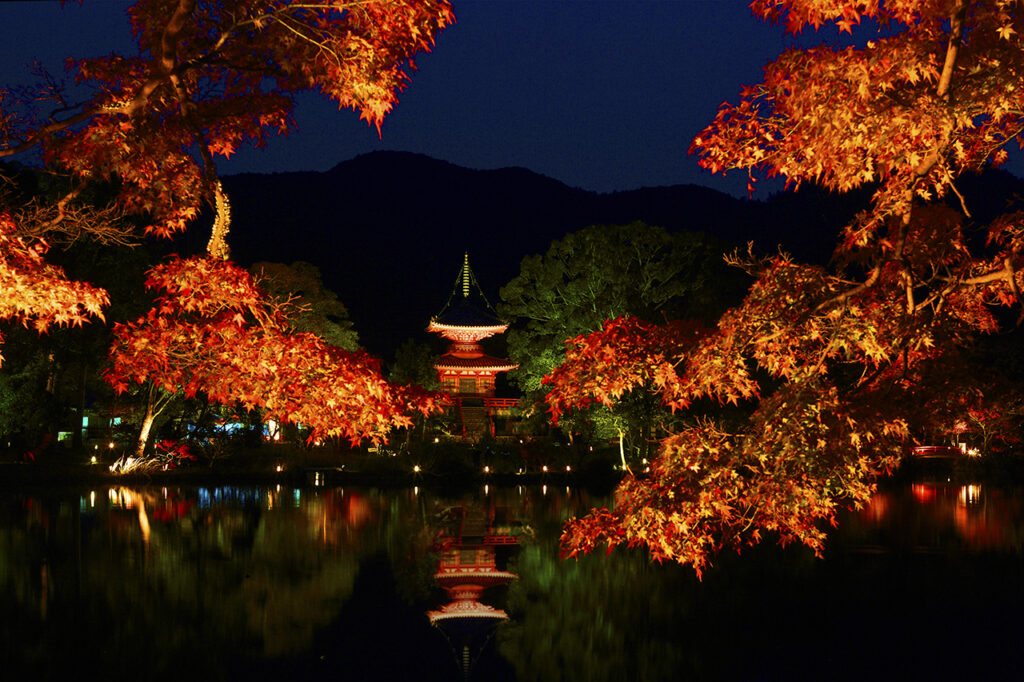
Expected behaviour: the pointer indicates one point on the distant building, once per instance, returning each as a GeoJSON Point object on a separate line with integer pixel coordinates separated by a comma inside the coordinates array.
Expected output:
{"type": "Point", "coordinates": [465, 372]}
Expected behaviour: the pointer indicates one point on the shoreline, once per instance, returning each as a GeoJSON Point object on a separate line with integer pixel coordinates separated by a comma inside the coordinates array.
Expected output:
{"type": "Point", "coordinates": [16, 475]}
{"type": "Point", "coordinates": [20, 476]}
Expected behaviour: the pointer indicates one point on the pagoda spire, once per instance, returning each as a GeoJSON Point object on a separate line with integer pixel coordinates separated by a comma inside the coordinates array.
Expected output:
{"type": "Point", "coordinates": [467, 308]}
{"type": "Point", "coordinates": [466, 275]}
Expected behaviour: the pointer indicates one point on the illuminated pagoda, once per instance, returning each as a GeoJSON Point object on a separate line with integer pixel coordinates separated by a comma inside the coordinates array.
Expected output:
{"type": "Point", "coordinates": [465, 372]}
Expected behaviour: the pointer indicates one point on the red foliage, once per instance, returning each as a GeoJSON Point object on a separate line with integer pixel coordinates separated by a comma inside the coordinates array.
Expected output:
{"type": "Point", "coordinates": [836, 369]}
{"type": "Point", "coordinates": [625, 354]}
{"type": "Point", "coordinates": [210, 76]}
{"type": "Point", "coordinates": [803, 451]}
{"type": "Point", "coordinates": [173, 453]}
{"type": "Point", "coordinates": [213, 331]}
{"type": "Point", "coordinates": [37, 294]}
{"type": "Point", "coordinates": [881, 111]}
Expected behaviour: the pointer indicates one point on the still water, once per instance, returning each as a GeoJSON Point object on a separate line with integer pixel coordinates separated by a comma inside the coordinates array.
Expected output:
{"type": "Point", "coordinates": [281, 583]}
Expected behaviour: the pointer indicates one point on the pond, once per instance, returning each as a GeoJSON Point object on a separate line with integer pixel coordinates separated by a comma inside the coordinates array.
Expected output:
{"type": "Point", "coordinates": [344, 584]}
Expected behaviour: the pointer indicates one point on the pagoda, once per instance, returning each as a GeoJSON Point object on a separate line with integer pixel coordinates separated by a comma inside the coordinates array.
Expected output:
{"type": "Point", "coordinates": [465, 372]}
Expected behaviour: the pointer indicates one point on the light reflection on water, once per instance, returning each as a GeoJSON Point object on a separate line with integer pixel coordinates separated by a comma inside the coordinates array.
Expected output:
{"type": "Point", "coordinates": [944, 516]}
{"type": "Point", "coordinates": [335, 583]}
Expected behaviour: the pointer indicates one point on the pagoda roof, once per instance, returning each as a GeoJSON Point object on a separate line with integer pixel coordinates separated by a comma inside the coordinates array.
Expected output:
{"type": "Point", "coordinates": [466, 610]}
{"type": "Point", "coordinates": [482, 576]}
{"type": "Point", "coordinates": [467, 306]}
{"type": "Point", "coordinates": [449, 361]}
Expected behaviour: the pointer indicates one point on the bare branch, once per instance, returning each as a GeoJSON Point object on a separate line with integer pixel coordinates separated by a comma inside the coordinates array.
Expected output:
{"type": "Point", "coordinates": [65, 222]}
{"type": "Point", "coordinates": [963, 202]}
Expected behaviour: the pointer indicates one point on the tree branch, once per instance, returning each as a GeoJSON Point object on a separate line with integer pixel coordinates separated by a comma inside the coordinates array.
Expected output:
{"type": "Point", "coordinates": [956, 34]}
{"type": "Point", "coordinates": [1006, 271]}
{"type": "Point", "coordinates": [872, 279]}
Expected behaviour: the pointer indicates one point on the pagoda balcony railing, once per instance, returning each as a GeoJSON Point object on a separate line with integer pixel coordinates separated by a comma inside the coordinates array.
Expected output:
{"type": "Point", "coordinates": [501, 540]}
{"type": "Point", "coordinates": [452, 399]}
{"type": "Point", "coordinates": [500, 402]}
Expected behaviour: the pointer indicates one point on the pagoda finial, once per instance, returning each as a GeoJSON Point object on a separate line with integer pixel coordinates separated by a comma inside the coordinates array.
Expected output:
{"type": "Point", "coordinates": [467, 305]}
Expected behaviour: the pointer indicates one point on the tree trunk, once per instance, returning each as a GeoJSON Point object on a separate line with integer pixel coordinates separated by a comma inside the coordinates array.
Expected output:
{"type": "Point", "coordinates": [645, 436]}
{"type": "Point", "coordinates": [76, 435]}
{"type": "Point", "coordinates": [147, 424]}
{"type": "Point", "coordinates": [622, 450]}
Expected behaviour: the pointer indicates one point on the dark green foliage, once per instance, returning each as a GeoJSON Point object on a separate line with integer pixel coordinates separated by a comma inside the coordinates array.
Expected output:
{"type": "Point", "coordinates": [312, 307]}
{"type": "Point", "coordinates": [600, 273]}
{"type": "Point", "coordinates": [414, 364]}
{"type": "Point", "coordinates": [27, 409]}
{"type": "Point", "coordinates": [603, 272]}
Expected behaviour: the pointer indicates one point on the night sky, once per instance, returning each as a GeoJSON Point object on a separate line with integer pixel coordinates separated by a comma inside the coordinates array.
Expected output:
{"type": "Point", "coordinates": [601, 95]}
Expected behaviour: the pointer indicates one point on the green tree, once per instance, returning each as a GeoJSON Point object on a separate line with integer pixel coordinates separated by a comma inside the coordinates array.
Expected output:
{"type": "Point", "coordinates": [414, 364]}
{"type": "Point", "coordinates": [28, 407]}
{"type": "Point", "coordinates": [312, 307]}
{"type": "Point", "coordinates": [601, 273]}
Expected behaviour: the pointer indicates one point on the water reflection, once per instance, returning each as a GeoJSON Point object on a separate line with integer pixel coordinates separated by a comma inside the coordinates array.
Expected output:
{"type": "Point", "coordinates": [469, 539]}
{"type": "Point", "coordinates": [320, 583]}
{"type": "Point", "coordinates": [932, 516]}
{"type": "Point", "coordinates": [137, 576]}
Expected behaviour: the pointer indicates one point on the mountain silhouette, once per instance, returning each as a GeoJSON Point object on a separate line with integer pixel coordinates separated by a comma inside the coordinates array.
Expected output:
{"type": "Point", "coordinates": [388, 229]}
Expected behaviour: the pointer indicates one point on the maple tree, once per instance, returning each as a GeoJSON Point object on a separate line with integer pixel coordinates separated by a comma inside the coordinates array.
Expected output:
{"type": "Point", "coordinates": [210, 76]}
{"type": "Point", "coordinates": [212, 330]}
{"type": "Point", "coordinates": [38, 296]}
{"type": "Point", "coordinates": [836, 367]}
{"type": "Point", "coordinates": [36, 293]}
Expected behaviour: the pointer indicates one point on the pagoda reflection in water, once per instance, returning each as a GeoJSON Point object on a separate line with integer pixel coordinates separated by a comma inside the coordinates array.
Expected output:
{"type": "Point", "coordinates": [474, 543]}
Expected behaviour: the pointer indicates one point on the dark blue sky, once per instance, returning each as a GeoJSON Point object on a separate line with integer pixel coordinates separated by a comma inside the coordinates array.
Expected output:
{"type": "Point", "coordinates": [600, 94]}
